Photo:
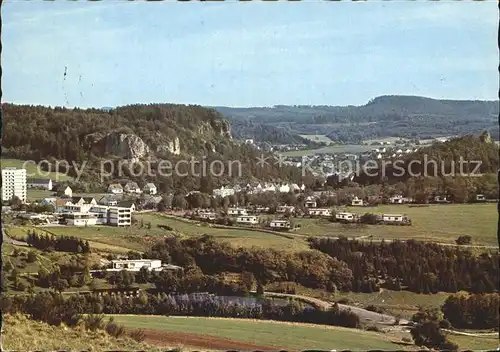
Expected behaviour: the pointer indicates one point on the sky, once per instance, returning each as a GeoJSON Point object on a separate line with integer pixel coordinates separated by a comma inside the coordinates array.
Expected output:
{"type": "Point", "coordinates": [97, 54]}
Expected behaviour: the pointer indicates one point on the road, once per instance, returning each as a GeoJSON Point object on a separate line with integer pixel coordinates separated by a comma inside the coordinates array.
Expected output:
{"type": "Point", "coordinates": [364, 315]}
{"type": "Point", "coordinates": [9, 240]}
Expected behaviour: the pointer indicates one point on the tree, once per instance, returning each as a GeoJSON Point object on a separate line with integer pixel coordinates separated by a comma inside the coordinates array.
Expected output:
{"type": "Point", "coordinates": [260, 289]}
{"type": "Point", "coordinates": [133, 255]}
{"type": "Point", "coordinates": [247, 280]}
{"type": "Point", "coordinates": [427, 332]}
{"type": "Point", "coordinates": [179, 202]}
{"type": "Point", "coordinates": [464, 240]}
{"type": "Point", "coordinates": [31, 258]}
{"type": "Point", "coordinates": [15, 202]}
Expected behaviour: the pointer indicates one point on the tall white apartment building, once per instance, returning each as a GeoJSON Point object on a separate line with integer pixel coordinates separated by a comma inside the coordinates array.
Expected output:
{"type": "Point", "coordinates": [13, 184]}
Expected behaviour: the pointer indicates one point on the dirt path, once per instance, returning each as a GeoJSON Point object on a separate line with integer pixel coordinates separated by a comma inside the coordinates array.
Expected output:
{"type": "Point", "coordinates": [171, 339]}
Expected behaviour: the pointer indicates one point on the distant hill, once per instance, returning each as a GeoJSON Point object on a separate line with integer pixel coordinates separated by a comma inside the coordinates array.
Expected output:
{"type": "Point", "coordinates": [387, 116]}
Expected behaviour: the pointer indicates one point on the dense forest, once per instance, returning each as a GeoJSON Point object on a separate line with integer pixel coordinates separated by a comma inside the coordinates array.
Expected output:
{"type": "Point", "coordinates": [384, 116]}
{"type": "Point", "coordinates": [415, 266]}
{"type": "Point", "coordinates": [73, 135]}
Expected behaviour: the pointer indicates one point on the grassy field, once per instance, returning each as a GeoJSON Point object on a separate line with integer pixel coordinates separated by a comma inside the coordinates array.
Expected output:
{"type": "Point", "coordinates": [38, 194]}
{"type": "Point", "coordinates": [281, 335]}
{"type": "Point", "coordinates": [440, 223]}
{"type": "Point", "coordinates": [110, 240]}
{"type": "Point", "coordinates": [473, 343]}
{"type": "Point", "coordinates": [33, 171]}
{"type": "Point", "coordinates": [22, 334]}
{"type": "Point", "coordinates": [237, 237]}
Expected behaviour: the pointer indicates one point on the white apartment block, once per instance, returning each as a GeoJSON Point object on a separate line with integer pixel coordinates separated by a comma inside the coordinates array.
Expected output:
{"type": "Point", "coordinates": [119, 216]}
{"type": "Point", "coordinates": [13, 184]}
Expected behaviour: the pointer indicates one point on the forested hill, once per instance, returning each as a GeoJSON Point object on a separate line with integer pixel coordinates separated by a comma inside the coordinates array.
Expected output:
{"type": "Point", "coordinates": [164, 131]}
{"type": "Point", "coordinates": [404, 116]}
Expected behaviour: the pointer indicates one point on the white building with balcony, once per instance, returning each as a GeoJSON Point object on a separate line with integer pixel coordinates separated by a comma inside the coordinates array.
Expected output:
{"type": "Point", "coordinates": [80, 219]}
{"type": "Point", "coordinates": [119, 216]}
{"type": "Point", "coordinates": [13, 184]}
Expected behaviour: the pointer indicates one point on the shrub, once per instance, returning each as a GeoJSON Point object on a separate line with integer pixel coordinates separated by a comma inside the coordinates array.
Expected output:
{"type": "Point", "coordinates": [114, 329]}
{"type": "Point", "coordinates": [444, 324]}
{"type": "Point", "coordinates": [94, 322]}
{"type": "Point", "coordinates": [463, 240]}
{"type": "Point", "coordinates": [369, 218]}
{"type": "Point", "coordinates": [373, 328]}
{"type": "Point", "coordinates": [344, 300]}
{"type": "Point", "coordinates": [20, 286]}
{"type": "Point", "coordinates": [138, 335]}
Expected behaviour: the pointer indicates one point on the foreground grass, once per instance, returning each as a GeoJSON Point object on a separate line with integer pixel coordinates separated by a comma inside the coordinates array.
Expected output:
{"type": "Point", "coordinates": [23, 334]}
{"type": "Point", "coordinates": [282, 335]}
{"type": "Point", "coordinates": [439, 223]}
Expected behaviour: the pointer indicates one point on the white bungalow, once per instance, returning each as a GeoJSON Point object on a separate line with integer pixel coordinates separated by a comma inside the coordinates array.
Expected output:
{"type": "Point", "coordinates": [356, 202]}
{"type": "Point", "coordinates": [396, 219]}
{"type": "Point", "coordinates": [207, 216]}
{"type": "Point", "coordinates": [284, 189]}
{"type": "Point", "coordinates": [319, 212]}
{"type": "Point", "coordinates": [280, 224]}
{"type": "Point", "coordinates": [285, 208]}
{"type": "Point", "coordinates": [237, 212]}
{"type": "Point", "coordinates": [115, 188]}
{"type": "Point", "coordinates": [346, 217]}
{"type": "Point", "coordinates": [150, 188]}
{"type": "Point", "coordinates": [249, 219]}
{"type": "Point", "coordinates": [399, 199]}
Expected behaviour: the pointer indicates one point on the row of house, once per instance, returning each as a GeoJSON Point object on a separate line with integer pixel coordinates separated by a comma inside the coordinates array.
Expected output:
{"type": "Point", "coordinates": [383, 218]}
{"type": "Point", "coordinates": [226, 191]}
{"type": "Point", "coordinates": [132, 187]}
{"type": "Point", "coordinates": [247, 219]}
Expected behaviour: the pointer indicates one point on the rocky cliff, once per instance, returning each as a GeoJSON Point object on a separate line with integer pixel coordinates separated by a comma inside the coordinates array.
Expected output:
{"type": "Point", "coordinates": [172, 146]}
{"type": "Point", "coordinates": [126, 146]}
